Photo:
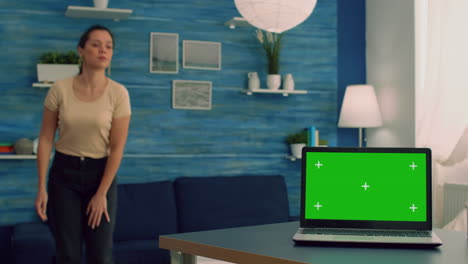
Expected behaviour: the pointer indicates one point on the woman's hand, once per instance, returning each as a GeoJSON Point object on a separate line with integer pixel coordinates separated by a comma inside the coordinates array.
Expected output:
{"type": "Point", "coordinates": [96, 208]}
{"type": "Point", "coordinates": [41, 204]}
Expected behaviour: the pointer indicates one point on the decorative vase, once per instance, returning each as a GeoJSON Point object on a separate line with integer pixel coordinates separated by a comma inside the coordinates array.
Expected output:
{"type": "Point", "coordinates": [101, 3]}
{"type": "Point", "coordinates": [296, 150]}
{"type": "Point", "coordinates": [273, 81]}
{"type": "Point", "coordinates": [288, 82]}
{"type": "Point", "coordinates": [35, 145]}
{"type": "Point", "coordinates": [23, 146]}
{"type": "Point", "coordinates": [254, 81]}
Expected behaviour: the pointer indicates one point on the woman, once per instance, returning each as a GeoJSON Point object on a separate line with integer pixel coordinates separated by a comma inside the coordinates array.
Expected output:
{"type": "Point", "coordinates": [92, 115]}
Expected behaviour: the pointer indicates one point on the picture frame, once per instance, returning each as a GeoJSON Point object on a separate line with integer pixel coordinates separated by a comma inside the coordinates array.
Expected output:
{"type": "Point", "coordinates": [195, 95]}
{"type": "Point", "coordinates": [202, 55]}
{"type": "Point", "coordinates": [164, 53]}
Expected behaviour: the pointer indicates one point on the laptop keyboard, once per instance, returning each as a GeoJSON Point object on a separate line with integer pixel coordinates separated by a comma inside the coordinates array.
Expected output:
{"type": "Point", "coordinates": [367, 233]}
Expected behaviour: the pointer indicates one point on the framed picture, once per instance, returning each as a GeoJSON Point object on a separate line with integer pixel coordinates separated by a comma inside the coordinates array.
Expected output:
{"type": "Point", "coordinates": [191, 95]}
{"type": "Point", "coordinates": [164, 52]}
{"type": "Point", "coordinates": [203, 55]}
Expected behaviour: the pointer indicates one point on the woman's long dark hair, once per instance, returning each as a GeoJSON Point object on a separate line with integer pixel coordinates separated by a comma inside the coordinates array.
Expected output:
{"type": "Point", "coordinates": [85, 37]}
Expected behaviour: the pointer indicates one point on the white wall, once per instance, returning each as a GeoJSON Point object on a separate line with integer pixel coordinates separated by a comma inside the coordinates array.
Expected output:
{"type": "Point", "coordinates": [390, 52]}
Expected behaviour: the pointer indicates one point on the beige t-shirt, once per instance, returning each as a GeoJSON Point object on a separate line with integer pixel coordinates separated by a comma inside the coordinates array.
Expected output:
{"type": "Point", "coordinates": [84, 127]}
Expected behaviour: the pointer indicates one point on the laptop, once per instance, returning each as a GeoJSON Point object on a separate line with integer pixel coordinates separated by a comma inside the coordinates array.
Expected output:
{"type": "Point", "coordinates": [373, 196]}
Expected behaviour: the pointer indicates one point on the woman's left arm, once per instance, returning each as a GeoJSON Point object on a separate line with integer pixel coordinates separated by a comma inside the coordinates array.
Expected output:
{"type": "Point", "coordinates": [98, 204]}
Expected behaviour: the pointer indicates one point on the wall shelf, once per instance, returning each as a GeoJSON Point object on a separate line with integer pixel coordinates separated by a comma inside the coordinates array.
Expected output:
{"type": "Point", "coordinates": [292, 158]}
{"type": "Point", "coordinates": [98, 13]}
{"type": "Point", "coordinates": [176, 156]}
{"type": "Point", "coordinates": [237, 22]}
{"type": "Point", "coordinates": [279, 91]}
{"type": "Point", "coordinates": [42, 85]}
{"type": "Point", "coordinates": [14, 156]}
{"type": "Point", "coordinates": [201, 155]}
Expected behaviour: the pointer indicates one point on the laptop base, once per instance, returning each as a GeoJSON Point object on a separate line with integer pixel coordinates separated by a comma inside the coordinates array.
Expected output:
{"type": "Point", "coordinates": [364, 244]}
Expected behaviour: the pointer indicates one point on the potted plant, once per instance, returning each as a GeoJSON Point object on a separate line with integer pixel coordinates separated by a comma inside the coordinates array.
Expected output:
{"type": "Point", "coordinates": [56, 65]}
{"type": "Point", "coordinates": [271, 43]}
{"type": "Point", "coordinates": [296, 142]}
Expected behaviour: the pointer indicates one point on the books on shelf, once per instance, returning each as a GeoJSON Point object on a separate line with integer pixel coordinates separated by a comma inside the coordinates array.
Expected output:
{"type": "Point", "coordinates": [6, 148]}
{"type": "Point", "coordinates": [312, 136]}
{"type": "Point", "coordinates": [323, 143]}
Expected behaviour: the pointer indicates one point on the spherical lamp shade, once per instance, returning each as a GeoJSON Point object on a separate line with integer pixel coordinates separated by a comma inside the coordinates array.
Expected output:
{"type": "Point", "coordinates": [275, 15]}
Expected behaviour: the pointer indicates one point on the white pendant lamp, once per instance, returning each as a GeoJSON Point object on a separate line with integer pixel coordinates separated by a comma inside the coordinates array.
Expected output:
{"type": "Point", "coordinates": [275, 15]}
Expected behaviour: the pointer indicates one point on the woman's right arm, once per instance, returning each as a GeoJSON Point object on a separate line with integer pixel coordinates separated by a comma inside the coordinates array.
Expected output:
{"type": "Point", "coordinates": [46, 141]}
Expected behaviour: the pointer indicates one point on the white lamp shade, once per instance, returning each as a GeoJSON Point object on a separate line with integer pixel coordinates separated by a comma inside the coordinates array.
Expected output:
{"type": "Point", "coordinates": [360, 107]}
{"type": "Point", "coordinates": [275, 15]}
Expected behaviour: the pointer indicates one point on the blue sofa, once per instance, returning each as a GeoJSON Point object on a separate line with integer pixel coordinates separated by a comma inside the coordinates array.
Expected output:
{"type": "Point", "coordinates": [187, 204]}
{"type": "Point", "coordinates": [5, 244]}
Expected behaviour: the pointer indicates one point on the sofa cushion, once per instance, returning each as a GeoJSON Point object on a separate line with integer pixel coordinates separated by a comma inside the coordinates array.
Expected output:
{"type": "Point", "coordinates": [205, 203]}
{"type": "Point", "coordinates": [145, 211]}
{"type": "Point", "coordinates": [140, 251]}
{"type": "Point", "coordinates": [32, 243]}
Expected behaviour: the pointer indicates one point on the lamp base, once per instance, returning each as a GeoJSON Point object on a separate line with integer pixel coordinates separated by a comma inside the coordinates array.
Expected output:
{"type": "Point", "coordinates": [360, 137]}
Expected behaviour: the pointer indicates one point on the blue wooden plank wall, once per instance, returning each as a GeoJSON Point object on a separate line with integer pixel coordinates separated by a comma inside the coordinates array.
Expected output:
{"type": "Point", "coordinates": [240, 135]}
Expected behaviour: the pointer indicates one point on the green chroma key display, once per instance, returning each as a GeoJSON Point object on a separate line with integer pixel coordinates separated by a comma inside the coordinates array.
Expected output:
{"type": "Point", "coordinates": [366, 186]}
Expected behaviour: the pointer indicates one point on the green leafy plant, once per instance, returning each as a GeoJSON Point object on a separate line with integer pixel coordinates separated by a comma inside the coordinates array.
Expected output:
{"type": "Point", "coordinates": [297, 137]}
{"type": "Point", "coordinates": [271, 43]}
{"type": "Point", "coordinates": [55, 57]}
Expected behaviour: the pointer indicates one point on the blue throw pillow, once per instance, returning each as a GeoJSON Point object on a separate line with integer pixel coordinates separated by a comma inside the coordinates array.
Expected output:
{"type": "Point", "coordinates": [145, 211]}
{"type": "Point", "coordinates": [206, 203]}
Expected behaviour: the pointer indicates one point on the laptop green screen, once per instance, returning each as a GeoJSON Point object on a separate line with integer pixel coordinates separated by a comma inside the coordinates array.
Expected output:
{"type": "Point", "coordinates": [365, 186]}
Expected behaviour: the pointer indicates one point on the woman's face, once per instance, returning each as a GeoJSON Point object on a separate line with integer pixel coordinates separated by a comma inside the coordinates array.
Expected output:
{"type": "Point", "coordinates": [98, 50]}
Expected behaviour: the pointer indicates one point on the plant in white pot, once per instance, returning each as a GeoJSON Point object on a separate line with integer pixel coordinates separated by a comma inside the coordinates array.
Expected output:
{"type": "Point", "coordinates": [55, 65]}
{"type": "Point", "coordinates": [271, 43]}
{"type": "Point", "coordinates": [296, 142]}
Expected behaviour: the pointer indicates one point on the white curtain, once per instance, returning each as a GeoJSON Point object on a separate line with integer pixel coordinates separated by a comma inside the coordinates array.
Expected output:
{"type": "Point", "coordinates": [442, 101]}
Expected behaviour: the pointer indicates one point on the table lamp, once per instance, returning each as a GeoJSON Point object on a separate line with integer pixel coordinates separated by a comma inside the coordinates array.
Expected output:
{"type": "Point", "coordinates": [360, 108]}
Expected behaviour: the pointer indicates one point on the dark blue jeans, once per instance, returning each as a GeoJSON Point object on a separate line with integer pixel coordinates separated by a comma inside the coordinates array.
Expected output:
{"type": "Point", "coordinates": [73, 181]}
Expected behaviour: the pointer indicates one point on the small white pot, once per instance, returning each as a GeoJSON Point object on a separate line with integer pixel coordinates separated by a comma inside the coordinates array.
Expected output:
{"type": "Point", "coordinates": [273, 81]}
{"type": "Point", "coordinates": [296, 150]}
{"type": "Point", "coordinates": [254, 81]}
{"type": "Point", "coordinates": [288, 82]}
{"type": "Point", "coordinates": [101, 3]}
{"type": "Point", "coordinates": [54, 72]}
